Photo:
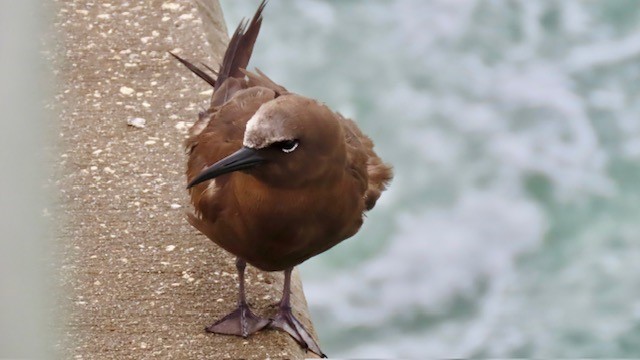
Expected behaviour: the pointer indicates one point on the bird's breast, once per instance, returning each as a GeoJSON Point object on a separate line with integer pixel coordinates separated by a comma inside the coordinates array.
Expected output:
{"type": "Point", "coordinates": [275, 228]}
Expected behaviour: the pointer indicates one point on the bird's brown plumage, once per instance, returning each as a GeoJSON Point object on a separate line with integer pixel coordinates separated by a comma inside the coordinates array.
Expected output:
{"type": "Point", "coordinates": [272, 225]}
{"type": "Point", "coordinates": [308, 176]}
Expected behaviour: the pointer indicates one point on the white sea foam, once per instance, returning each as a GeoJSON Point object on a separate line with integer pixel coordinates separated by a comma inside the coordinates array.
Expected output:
{"type": "Point", "coordinates": [436, 255]}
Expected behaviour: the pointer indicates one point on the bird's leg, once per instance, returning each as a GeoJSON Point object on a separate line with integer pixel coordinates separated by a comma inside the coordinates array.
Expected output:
{"type": "Point", "coordinates": [284, 320]}
{"type": "Point", "coordinates": [241, 321]}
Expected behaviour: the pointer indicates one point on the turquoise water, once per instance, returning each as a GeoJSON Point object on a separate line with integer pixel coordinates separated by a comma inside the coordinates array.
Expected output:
{"type": "Point", "coordinates": [512, 227]}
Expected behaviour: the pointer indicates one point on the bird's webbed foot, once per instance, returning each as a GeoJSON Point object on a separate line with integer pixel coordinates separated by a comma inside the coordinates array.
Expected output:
{"type": "Point", "coordinates": [241, 322]}
{"type": "Point", "coordinates": [286, 321]}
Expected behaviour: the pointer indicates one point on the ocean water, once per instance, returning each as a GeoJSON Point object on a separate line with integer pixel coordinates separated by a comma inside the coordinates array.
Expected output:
{"type": "Point", "coordinates": [512, 228]}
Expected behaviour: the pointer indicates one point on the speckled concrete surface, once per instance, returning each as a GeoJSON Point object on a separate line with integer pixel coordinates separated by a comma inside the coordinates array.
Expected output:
{"type": "Point", "coordinates": [138, 281]}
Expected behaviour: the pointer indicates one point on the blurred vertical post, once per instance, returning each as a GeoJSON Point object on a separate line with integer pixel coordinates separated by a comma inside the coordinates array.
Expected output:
{"type": "Point", "coordinates": [23, 255]}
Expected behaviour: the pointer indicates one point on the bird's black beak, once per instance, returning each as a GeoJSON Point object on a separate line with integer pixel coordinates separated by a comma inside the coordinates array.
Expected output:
{"type": "Point", "coordinates": [242, 159]}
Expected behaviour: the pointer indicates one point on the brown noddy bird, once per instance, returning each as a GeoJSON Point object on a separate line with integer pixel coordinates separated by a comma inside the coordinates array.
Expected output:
{"type": "Point", "coordinates": [275, 178]}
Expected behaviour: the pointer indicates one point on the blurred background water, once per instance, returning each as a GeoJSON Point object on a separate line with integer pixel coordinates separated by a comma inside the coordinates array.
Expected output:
{"type": "Point", "coordinates": [512, 228]}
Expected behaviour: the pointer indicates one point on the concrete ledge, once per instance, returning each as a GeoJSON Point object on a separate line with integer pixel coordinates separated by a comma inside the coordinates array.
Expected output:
{"type": "Point", "coordinates": [138, 281]}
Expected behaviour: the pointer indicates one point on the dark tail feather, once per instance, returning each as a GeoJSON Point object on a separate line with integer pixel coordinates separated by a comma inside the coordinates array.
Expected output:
{"type": "Point", "coordinates": [235, 59]}
{"type": "Point", "coordinates": [240, 48]}
{"type": "Point", "coordinates": [215, 72]}
{"type": "Point", "coordinates": [201, 74]}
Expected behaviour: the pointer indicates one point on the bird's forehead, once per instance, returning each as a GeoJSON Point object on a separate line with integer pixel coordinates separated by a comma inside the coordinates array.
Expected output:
{"type": "Point", "coordinates": [264, 128]}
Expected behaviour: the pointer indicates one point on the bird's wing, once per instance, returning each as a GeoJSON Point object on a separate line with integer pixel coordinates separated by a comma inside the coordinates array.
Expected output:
{"type": "Point", "coordinates": [365, 164]}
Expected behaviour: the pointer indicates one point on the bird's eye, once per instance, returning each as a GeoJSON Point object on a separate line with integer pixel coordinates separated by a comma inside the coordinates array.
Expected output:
{"type": "Point", "coordinates": [287, 145]}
